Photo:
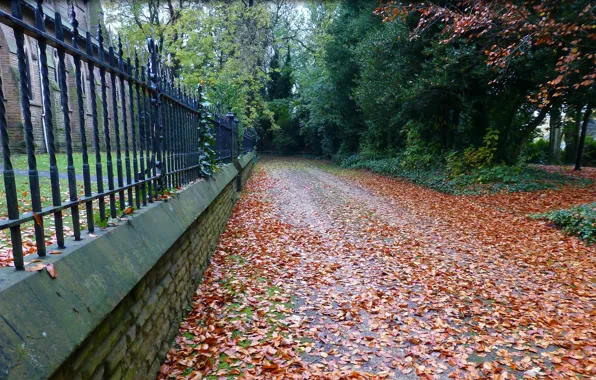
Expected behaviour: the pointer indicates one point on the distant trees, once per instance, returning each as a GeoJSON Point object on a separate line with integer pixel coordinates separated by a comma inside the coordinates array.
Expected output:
{"type": "Point", "coordinates": [224, 45]}
{"type": "Point", "coordinates": [465, 83]}
{"type": "Point", "coordinates": [556, 40]}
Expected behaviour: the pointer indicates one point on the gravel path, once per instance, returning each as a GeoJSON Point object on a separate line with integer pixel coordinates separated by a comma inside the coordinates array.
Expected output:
{"type": "Point", "coordinates": [380, 278]}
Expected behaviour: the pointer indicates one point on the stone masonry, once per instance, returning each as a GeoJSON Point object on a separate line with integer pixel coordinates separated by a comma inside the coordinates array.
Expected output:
{"type": "Point", "coordinates": [119, 297]}
{"type": "Point", "coordinates": [133, 341]}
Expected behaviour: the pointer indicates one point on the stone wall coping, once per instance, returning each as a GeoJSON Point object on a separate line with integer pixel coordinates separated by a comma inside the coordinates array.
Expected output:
{"type": "Point", "coordinates": [245, 160]}
{"type": "Point", "coordinates": [43, 320]}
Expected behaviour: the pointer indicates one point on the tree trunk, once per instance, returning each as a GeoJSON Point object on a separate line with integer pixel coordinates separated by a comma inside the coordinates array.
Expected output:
{"type": "Point", "coordinates": [582, 137]}
{"type": "Point", "coordinates": [572, 126]}
{"type": "Point", "coordinates": [527, 130]}
{"type": "Point", "coordinates": [554, 148]}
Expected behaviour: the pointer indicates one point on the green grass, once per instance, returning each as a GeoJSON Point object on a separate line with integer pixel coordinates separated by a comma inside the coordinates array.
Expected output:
{"type": "Point", "coordinates": [578, 221]}
{"type": "Point", "coordinates": [480, 181]}
{"type": "Point", "coordinates": [19, 161]}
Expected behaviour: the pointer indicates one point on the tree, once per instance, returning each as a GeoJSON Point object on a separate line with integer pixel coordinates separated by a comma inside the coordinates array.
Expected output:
{"type": "Point", "coordinates": [553, 39]}
{"type": "Point", "coordinates": [582, 137]}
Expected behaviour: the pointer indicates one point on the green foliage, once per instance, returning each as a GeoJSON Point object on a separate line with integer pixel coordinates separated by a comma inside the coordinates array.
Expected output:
{"type": "Point", "coordinates": [479, 181]}
{"type": "Point", "coordinates": [219, 44]}
{"type": "Point", "coordinates": [474, 158]}
{"type": "Point", "coordinates": [207, 156]}
{"type": "Point", "coordinates": [578, 221]}
{"type": "Point", "coordinates": [286, 137]}
{"type": "Point", "coordinates": [417, 153]}
{"type": "Point", "coordinates": [375, 89]}
{"type": "Point", "coordinates": [485, 155]}
{"type": "Point", "coordinates": [590, 152]}
{"type": "Point", "coordinates": [536, 151]}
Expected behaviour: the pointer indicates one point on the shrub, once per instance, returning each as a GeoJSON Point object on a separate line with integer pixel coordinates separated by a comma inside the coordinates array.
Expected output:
{"type": "Point", "coordinates": [484, 180]}
{"type": "Point", "coordinates": [590, 152]}
{"type": "Point", "coordinates": [536, 152]}
{"type": "Point", "coordinates": [578, 221]}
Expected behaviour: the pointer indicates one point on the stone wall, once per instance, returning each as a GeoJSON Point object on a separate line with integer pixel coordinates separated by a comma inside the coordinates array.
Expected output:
{"type": "Point", "coordinates": [116, 304]}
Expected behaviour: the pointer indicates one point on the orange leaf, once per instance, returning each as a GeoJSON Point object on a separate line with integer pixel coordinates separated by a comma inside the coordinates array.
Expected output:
{"type": "Point", "coordinates": [35, 268]}
{"type": "Point", "coordinates": [51, 270]}
{"type": "Point", "coordinates": [38, 219]}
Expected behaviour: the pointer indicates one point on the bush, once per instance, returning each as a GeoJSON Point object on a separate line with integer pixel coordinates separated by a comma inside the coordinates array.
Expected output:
{"type": "Point", "coordinates": [536, 152]}
{"type": "Point", "coordinates": [484, 180]}
{"type": "Point", "coordinates": [590, 152]}
{"type": "Point", "coordinates": [578, 221]}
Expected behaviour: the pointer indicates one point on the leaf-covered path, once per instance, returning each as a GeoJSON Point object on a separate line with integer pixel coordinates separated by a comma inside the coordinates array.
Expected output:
{"type": "Point", "coordinates": [326, 273]}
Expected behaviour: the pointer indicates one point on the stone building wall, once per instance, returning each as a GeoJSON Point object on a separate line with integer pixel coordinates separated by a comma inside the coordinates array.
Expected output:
{"type": "Point", "coordinates": [88, 14]}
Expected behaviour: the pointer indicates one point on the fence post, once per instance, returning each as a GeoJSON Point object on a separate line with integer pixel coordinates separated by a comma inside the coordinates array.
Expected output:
{"type": "Point", "coordinates": [237, 131]}
{"type": "Point", "coordinates": [156, 125]}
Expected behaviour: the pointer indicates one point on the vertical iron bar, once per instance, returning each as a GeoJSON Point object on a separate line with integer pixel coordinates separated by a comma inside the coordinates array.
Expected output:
{"type": "Point", "coordinates": [193, 131]}
{"type": "Point", "coordinates": [72, 180]}
{"type": "Point", "coordinates": [141, 122]}
{"type": "Point", "coordinates": [81, 103]}
{"type": "Point", "coordinates": [156, 125]}
{"type": "Point", "coordinates": [106, 124]}
{"type": "Point", "coordinates": [96, 142]}
{"type": "Point", "coordinates": [164, 127]}
{"type": "Point", "coordinates": [174, 133]}
{"type": "Point", "coordinates": [198, 127]}
{"type": "Point", "coordinates": [150, 134]}
{"type": "Point", "coordinates": [182, 137]}
{"type": "Point", "coordinates": [135, 164]}
{"type": "Point", "coordinates": [124, 121]}
{"type": "Point", "coordinates": [49, 126]}
{"type": "Point", "coordinates": [10, 188]}
{"type": "Point", "coordinates": [187, 137]}
{"type": "Point", "coordinates": [170, 133]}
{"type": "Point", "coordinates": [185, 142]}
{"type": "Point", "coordinates": [29, 141]}
{"type": "Point", "coordinates": [116, 128]}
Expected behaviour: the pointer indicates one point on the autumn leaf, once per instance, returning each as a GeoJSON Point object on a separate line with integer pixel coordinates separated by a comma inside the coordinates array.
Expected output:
{"type": "Point", "coordinates": [51, 270]}
{"type": "Point", "coordinates": [38, 219]}
{"type": "Point", "coordinates": [328, 273]}
{"type": "Point", "coordinates": [35, 268]}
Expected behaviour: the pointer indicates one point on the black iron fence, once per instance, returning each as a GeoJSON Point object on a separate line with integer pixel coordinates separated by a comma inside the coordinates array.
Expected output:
{"type": "Point", "coordinates": [149, 132]}
{"type": "Point", "coordinates": [249, 142]}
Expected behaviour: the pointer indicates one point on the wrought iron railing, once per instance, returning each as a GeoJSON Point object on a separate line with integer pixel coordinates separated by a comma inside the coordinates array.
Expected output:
{"type": "Point", "coordinates": [160, 132]}
{"type": "Point", "coordinates": [249, 140]}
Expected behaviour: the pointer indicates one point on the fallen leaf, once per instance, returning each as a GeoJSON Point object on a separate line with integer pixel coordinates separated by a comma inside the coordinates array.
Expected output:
{"type": "Point", "coordinates": [35, 268]}
{"type": "Point", "coordinates": [38, 219]}
{"type": "Point", "coordinates": [51, 270]}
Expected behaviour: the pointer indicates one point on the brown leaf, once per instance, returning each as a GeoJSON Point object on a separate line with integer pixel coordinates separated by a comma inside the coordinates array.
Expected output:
{"type": "Point", "coordinates": [51, 270]}
{"type": "Point", "coordinates": [35, 268]}
{"type": "Point", "coordinates": [38, 219]}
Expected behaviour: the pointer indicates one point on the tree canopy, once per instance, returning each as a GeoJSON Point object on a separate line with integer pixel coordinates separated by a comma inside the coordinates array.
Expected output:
{"type": "Point", "coordinates": [465, 84]}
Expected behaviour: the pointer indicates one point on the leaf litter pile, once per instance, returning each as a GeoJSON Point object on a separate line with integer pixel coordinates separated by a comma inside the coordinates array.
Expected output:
{"type": "Point", "coordinates": [333, 274]}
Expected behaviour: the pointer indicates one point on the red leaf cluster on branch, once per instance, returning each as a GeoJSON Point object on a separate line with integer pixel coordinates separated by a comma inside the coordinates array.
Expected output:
{"type": "Point", "coordinates": [512, 28]}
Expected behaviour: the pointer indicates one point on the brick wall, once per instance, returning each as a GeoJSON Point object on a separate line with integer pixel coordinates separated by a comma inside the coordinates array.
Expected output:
{"type": "Point", "coordinates": [135, 337]}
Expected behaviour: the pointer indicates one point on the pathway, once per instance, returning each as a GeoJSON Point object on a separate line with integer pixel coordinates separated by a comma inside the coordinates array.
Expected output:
{"type": "Point", "coordinates": [326, 273]}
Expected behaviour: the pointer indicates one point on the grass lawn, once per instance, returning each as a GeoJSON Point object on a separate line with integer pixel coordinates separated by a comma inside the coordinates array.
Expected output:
{"type": "Point", "coordinates": [19, 161]}
{"type": "Point", "coordinates": [24, 199]}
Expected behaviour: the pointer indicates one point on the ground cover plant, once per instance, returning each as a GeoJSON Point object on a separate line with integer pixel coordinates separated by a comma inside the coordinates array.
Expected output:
{"type": "Point", "coordinates": [579, 221]}
{"type": "Point", "coordinates": [476, 181]}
